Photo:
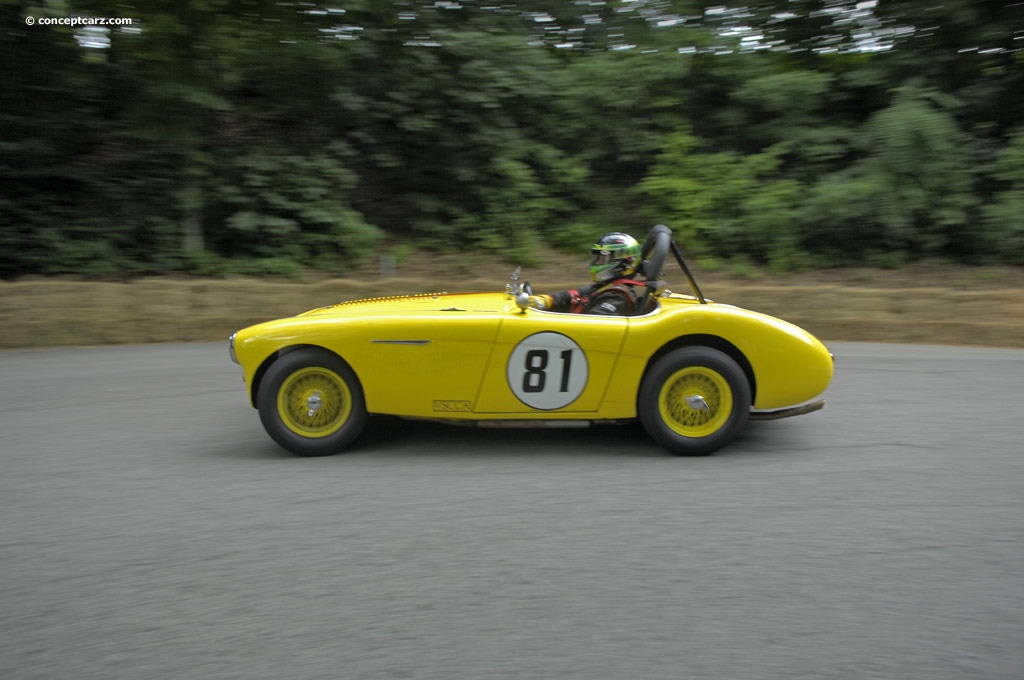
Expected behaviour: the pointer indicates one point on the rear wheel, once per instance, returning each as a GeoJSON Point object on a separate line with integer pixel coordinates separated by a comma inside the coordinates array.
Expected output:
{"type": "Point", "coordinates": [694, 400]}
{"type": "Point", "coordinates": [311, 403]}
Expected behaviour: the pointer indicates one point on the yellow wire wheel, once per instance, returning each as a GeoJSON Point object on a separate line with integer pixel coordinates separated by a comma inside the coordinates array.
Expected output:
{"type": "Point", "coordinates": [311, 402]}
{"type": "Point", "coordinates": [314, 402]}
{"type": "Point", "coordinates": [694, 400]}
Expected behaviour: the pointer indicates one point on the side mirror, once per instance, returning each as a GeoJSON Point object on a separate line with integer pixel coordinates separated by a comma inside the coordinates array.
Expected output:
{"type": "Point", "coordinates": [523, 300]}
{"type": "Point", "coordinates": [523, 295]}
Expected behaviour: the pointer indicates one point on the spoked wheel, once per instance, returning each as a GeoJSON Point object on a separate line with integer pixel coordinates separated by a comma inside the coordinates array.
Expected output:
{"type": "Point", "coordinates": [311, 403]}
{"type": "Point", "coordinates": [694, 400]}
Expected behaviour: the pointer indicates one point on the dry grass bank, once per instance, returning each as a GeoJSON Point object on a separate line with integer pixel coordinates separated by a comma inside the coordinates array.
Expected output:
{"type": "Point", "coordinates": [934, 305]}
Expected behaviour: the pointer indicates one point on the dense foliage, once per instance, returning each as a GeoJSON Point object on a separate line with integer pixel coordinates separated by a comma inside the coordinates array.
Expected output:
{"type": "Point", "coordinates": [242, 135]}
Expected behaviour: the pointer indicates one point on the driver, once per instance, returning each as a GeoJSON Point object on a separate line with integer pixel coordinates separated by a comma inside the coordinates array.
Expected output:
{"type": "Point", "coordinates": [614, 259]}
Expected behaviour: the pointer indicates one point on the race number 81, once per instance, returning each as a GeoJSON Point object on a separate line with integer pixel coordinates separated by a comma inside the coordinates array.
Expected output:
{"type": "Point", "coordinates": [547, 371]}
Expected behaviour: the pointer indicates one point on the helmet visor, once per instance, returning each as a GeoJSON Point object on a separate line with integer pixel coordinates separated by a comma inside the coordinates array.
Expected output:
{"type": "Point", "coordinates": [601, 257]}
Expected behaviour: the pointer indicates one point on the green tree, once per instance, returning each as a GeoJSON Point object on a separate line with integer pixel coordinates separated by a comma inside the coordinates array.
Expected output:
{"type": "Point", "coordinates": [191, 87]}
{"type": "Point", "coordinates": [292, 206]}
{"type": "Point", "coordinates": [447, 136]}
{"type": "Point", "coordinates": [771, 128]}
{"type": "Point", "coordinates": [724, 203]}
{"type": "Point", "coordinates": [1003, 218]}
{"type": "Point", "coordinates": [909, 196]}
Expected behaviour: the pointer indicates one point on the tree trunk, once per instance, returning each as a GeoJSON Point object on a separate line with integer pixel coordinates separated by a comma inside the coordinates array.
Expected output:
{"type": "Point", "coordinates": [192, 221]}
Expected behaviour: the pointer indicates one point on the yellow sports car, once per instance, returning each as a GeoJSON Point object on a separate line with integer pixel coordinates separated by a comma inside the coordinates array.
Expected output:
{"type": "Point", "coordinates": [692, 371]}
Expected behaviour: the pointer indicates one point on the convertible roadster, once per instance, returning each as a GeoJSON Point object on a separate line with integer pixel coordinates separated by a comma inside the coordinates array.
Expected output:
{"type": "Point", "coordinates": [692, 371]}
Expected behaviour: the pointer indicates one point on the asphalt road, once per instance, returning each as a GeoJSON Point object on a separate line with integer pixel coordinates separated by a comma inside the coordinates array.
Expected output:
{"type": "Point", "coordinates": [150, 530]}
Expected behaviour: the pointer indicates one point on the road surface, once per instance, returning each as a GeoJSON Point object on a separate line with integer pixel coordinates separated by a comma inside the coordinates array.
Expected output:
{"type": "Point", "coordinates": [150, 530]}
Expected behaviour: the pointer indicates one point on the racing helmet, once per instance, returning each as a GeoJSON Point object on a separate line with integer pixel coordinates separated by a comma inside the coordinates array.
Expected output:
{"type": "Point", "coordinates": [614, 256]}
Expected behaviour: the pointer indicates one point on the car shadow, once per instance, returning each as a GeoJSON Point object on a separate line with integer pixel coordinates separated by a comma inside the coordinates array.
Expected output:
{"type": "Point", "coordinates": [425, 438]}
{"type": "Point", "coordinates": [392, 437]}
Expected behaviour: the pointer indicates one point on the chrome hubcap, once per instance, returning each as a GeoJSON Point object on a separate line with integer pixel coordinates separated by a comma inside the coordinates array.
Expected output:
{"type": "Point", "coordinates": [313, 404]}
{"type": "Point", "coordinates": [697, 403]}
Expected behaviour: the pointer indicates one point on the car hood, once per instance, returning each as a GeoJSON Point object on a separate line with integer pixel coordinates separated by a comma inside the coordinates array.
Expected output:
{"type": "Point", "coordinates": [423, 302]}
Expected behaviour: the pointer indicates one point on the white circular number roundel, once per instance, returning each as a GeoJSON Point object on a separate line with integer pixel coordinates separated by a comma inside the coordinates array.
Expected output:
{"type": "Point", "coordinates": [547, 371]}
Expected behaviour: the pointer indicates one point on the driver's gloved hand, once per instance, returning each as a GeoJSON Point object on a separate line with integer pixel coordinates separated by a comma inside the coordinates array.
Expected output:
{"type": "Point", "coordinates": [540, 301]}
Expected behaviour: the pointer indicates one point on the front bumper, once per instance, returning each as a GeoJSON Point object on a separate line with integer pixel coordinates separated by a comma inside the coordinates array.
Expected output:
{"type": "Point", "coordinates": [788, 412]}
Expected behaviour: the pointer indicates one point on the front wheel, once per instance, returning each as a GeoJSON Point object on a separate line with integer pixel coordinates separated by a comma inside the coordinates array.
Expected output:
{"type": "Point", "coordinates": [694, 400]}
{"type": "Point", "coordinates": [311, 403]}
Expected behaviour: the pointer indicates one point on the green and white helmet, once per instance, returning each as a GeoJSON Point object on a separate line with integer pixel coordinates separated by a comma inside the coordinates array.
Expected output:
{"type": "Point", "coordinates": [614, 256]}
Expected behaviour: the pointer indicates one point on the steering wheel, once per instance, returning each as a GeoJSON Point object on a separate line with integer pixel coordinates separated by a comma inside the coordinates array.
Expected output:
{"type": "Point", "coordinates": [655, 250]}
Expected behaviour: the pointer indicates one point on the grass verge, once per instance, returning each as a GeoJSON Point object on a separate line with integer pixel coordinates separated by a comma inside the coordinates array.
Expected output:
{"type": "Point", "coordinates": [975, 308]}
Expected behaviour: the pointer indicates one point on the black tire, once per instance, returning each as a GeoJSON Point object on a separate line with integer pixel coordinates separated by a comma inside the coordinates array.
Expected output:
{"type": "Point", "coordinates": [718, 407]}
{"type": "Point", "coordinates": [311, 403]}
